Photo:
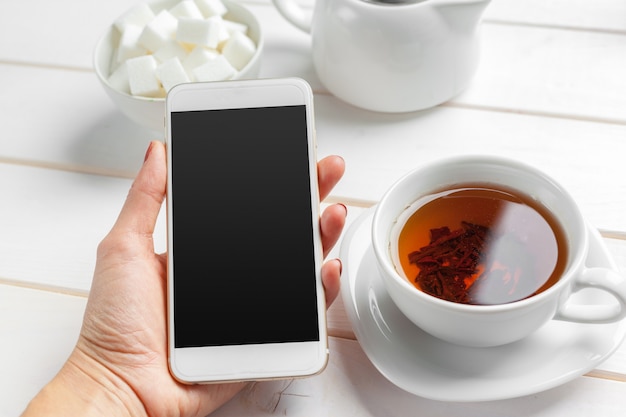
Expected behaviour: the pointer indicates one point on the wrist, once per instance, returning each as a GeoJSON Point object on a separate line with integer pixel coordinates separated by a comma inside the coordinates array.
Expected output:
{"type": "Point", "coordinates": [86, 388]}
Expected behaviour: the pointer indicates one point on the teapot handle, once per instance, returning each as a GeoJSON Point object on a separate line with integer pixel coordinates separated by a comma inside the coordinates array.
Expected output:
{"type": "Point", "coordinates": [294, 13]}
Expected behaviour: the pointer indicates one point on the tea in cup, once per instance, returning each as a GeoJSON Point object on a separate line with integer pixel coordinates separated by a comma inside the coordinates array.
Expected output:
{"type": "Point", "coordinates": [482, 251]}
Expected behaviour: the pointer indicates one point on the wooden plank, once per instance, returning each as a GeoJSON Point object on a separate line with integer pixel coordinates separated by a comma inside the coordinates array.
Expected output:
{"type": "Point", "coordinates": [63, 118]}
{"type": "Point", "coordinates": [39, 329]}
{"type": "Point", "coordinates": [586, 157]}
{"type": "Point", "coordinates": [83, 131]}
{"type": "Point", "coordinates": [61, 33]}
{"type": "Point", "coordinates": [523, 68]}
{"type": "Point", "coordinates": [598, 15]}
{"type": "Point", "coordinates": [551, 72]}
{"type": "Point", "coordinates": [615, 365]}
{"type": "Point", "coordinates": [545, 71]}
{"type": "Point", "coordinates": [350, 386]}
{"type": "Point", "coordinates": [52, 222]}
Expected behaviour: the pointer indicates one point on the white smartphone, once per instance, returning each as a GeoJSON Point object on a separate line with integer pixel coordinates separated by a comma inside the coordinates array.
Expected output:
{"type": "Point", "coordinates": [245, 297]}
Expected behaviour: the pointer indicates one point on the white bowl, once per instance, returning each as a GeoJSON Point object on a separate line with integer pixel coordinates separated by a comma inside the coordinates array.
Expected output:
{"type": "Point", "coordinates": [150, 112]}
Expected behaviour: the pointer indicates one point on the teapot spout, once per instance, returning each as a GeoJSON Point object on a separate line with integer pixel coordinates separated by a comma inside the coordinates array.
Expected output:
{"type": "Point", "coordinates": [462, 15]}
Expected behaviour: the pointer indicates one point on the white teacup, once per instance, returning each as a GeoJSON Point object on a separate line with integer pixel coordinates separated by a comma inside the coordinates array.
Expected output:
{"type": "Point", "coordinates": [392, 55]}
{"type": "Point", "coordinates": [496, 324]}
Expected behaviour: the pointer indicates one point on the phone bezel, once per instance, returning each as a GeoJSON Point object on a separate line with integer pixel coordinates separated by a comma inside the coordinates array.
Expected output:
{"type": "Point", "coordinates": [258, 361]}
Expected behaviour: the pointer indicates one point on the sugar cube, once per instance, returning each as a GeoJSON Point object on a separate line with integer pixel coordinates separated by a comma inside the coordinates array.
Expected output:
{"type": "Point", "coordinates": [198, 56]}
{"type": "Point", "coordinates": [223, 31]}
{"type": "Point", "coordinates": [186, 8]}
{"type": "Point", "coordinates": [169, 50]}
{"type": "Point", "coordinates": [142, 77]}
{"type": "Point", "coordinates": [139, 15]}
{"type": "Point", "coordinates": [119, 79]}
{"type": "Point", "coordinates": [217, 69]}
{"type": "Point", "coordinates": [158, 31]}
{"type": "Point", "coordinates": [212, 7]}
{"type": "Point", "coordinates": [171, 72]}
{"type": "Point", "coordinates": [204, 32]}
{"type": "Point", "coordinates": [128, 46]}
{"type": "Point", "coordinates": [231, 27]}
{"type": "Point", "coordinates": [238, 50]}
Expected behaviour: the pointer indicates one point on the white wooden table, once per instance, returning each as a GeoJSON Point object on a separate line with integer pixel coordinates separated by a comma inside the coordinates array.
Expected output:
{"type": "Point", "coordinates": [550, 91]}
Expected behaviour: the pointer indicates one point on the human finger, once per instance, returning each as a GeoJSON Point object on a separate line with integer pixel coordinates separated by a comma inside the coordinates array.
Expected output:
{"type": "Point", "coordinates": [329, 171]}
{"type": "Point", "coordinates": [144, 200]}
{"type": "Point", "coordinates": [331, 275]}
{"type": "Point", "coordinates": [332, 221]}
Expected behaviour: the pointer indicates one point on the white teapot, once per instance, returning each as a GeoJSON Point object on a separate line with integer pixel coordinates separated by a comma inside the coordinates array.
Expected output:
{"type": "Point", "coordinates": [392, 55]}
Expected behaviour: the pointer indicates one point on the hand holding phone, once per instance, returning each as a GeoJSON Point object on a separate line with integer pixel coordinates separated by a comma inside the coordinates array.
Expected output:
{"type": "Point", "coordinates": [245, 298]}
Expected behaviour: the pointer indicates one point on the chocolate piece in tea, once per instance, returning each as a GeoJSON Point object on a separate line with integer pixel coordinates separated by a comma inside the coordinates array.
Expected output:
{"type": "Point", "coordinates": [478, 245]}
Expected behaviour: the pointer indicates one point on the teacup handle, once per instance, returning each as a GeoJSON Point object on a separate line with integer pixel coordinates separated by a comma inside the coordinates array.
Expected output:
{"type": "Point", "coordinates": [294, 13]}
{"type": "Point", "coordinates": [605, 280]}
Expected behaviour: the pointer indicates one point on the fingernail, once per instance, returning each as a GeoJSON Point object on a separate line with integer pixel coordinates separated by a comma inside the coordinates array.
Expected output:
{"type": "Point", "coordinates": [145, 158]}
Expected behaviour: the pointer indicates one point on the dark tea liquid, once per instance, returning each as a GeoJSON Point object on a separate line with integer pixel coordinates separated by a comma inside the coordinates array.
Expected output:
{"type": "Point", "coordinates": [475, 244]}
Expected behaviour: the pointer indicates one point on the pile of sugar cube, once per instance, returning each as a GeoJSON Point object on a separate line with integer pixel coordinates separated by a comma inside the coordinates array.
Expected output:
{"type": "Point", "coordinates": [190, 41]}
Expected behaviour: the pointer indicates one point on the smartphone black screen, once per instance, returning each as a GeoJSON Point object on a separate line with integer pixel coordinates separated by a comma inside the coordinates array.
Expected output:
{"type": "Point", "coordinates": [243, 258]}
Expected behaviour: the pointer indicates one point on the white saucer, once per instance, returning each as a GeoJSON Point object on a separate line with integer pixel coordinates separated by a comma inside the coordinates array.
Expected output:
{"type": "Point", "coordinates": [431, 368]}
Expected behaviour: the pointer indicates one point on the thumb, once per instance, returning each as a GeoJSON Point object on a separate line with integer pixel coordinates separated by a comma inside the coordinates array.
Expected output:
{"type": "Point", "coordinates": [144, 200]}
